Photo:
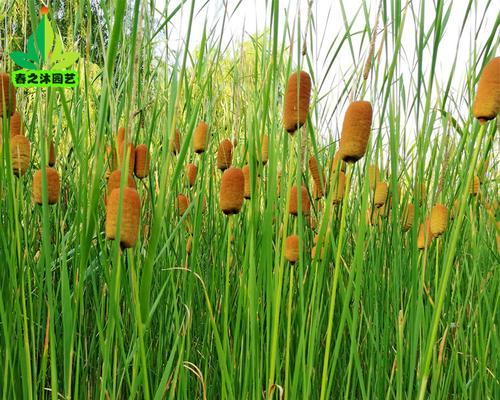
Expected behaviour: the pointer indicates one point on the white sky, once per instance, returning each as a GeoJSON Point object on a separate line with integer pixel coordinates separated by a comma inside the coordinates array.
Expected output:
{"type": "Point", "coordinates": [252, 16]}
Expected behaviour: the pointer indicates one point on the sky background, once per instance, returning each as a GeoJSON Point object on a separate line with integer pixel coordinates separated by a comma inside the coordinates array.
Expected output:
{"type": "Point", "coordinates": [252, 16]}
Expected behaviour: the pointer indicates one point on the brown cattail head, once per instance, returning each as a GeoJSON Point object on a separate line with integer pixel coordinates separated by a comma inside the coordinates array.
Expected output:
{"type": "Point", "coordinates": [120, 135]}
{"type": "Point", "coordinates": [422, 194]}
{"type": "Point", "coordinates": [439, 219]}
{"type": "Point", "coordinates": [264, 150]}
{"type": "Point", "coordinates": [355, 131]}
{"type": "Point", "coordinates": [297, 97]}
{"type": "Point", "coordinates": [225, 155]}
{"type": "Point", "coordinates": [142, 161]}
{"type": "Point", "coordinates": [292, 248]}
{"type": "Point", "coordinates": [424, 235]}
{"type": "Point", "coordinates": [200, 137]}
{"type": "Point", "coordinates": [294, 202]}
{"type": "Point", "coordinates": [130, 216]}
{"type": "Point", "coordinates": [246, 175]}
{"type": "Point", "coordinates": [126, 153]}
{"type": "Point", "coordinates": [408, 217]}
{"type": "Point", "coordinates": [314, 169]}
{"type": "Point", "coordinates": [189, 244]}
{"type": "Point", "coordinates": [16, 125]}
{"type": "Point", "coordinates": [52, 154]}
{"type": "Point", "coordinates": [373, 176]}
{"type": "Point", "coordinates": [487, 102]}
{"type": "Point", "coordinates": [20, 153]}
{"type": "Point", "coordinates": [338, 188]}
{"type": "Point", "coordinates": [475, 186]}
{"type": "Point", "coordinates": [232, 191]}
{"type": "Point", "coordinates": [53, 186]}
{"type": "Point", "coordinates": [114, 182]}
{"type": "Point", "coordinates": [380, 196]}
{"type": "Point", "coordinates": [175, 143]}
{"type": "Point", "coordinates": [191, 172]}
{"type": "Point", "coordinates": [7, 95]}
{"type": "Point", "coordinates": [319, 188]}
{"type": "Point", "coordinates": [181, 203]}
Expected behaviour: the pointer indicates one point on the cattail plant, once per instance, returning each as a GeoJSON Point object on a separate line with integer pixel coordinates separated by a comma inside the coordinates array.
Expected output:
{"type": "Point", "coordinates": [246, 175]}
{"type": "Point", "coordinates": [487, 102]}
{"type": "Point", "coordinates": [175, 142]}
{"type": "Point", "coordinates": [142, 161]}
{"type": "Point", "coordinates": [225, 155]}
{"type": "Point", "coordinates": [15, 124]}
{"type": "Point", "coordinates": [200, 137]}
{"type": "Point", "coordinates": [20, 153]}
{"type": "Point", "coordinates": [7, 95]}
{"type": "Point", "coordinates": [232, 191]}
{"type": "Point", "coordinates": [294, 203]}
{"type": "Point", "coordinates": [338, 187]}
{"type": "Point", "coordinates": [181, 204]}
{"type": "Point", "coordinates": [380, 196]}
{"type": "Point", "coordinates": [355, 131]}
{"type": "Point", "coordinates": [292, 248]}
{"type": "Point", "coordinates": [127, 153]}
{"type": "Point", "coordinates": [318, 178]}
{"type": "Point", "coordinates": [319, 188]}
{"type": "Point", "coordinates": [53, 186]}
{"type": "Point", "coordinates": [373, 176]}
{"type": "Point", "coordinates": [475, 186]}
{"type": "Point", "coordinates": [189, 244]}
{"type": "Point", "coordinates": [408, 217]}
{"type": "Point", "coordinates": [338, 163]}
{"type": "Point", "coordinates": [439, 219]}
{"type": "Point", "coordinates": [120, 135]}
{"type": "Point", "coordinates": [424, 235]}
{"type": "Point", "coordinates": [264, 150]}
{"type": "Point", "coordinates": [52, 154]}
{"type": "Point", "coordinates": [130, 217]}
{"type": "Point", "coordinates": [114, 183]}
{"type": "Point", "coordinates": [191, 172]}
{"type": "Point", "coordinates": [296, 104]}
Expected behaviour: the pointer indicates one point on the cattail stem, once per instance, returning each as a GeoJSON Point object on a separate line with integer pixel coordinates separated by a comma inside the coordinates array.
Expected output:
{"type": "Point", "coordinates": [276, 301]}
{"type": "Point", "coordinates": [335, 282]}
{"type": "Point", "coordinates": [449, 257]}
{"type": "Point", "coordinates": [227, 287]}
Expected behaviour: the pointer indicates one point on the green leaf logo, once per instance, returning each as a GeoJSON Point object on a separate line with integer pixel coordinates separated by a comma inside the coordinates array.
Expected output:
{"type": "Point", "coordinates": [44, 48]}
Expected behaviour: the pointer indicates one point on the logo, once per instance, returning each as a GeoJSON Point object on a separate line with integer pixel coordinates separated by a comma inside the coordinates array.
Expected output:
{"type": "Point", "coordinates": [45, 62]}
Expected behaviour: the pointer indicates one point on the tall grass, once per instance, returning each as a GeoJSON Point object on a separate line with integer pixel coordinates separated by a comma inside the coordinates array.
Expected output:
{"type": "Point", "coordinates": [206, 305]}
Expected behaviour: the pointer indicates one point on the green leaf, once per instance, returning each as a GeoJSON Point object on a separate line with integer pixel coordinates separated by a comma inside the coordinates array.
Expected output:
{"type": "Point", "coordinates": [23, 60]}
{"type": "Point", "coordinates": [66, 60]}
{"type": "Point", "coordinates": [40, 39]}
{"type": "Point", "coordinates": [49, 39]}
{"type": "Point", "coordinates": [58, 50]}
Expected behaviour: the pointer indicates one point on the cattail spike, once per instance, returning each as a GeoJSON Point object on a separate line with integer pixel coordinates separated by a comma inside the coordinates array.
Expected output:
{"type": "Point", "coordinates": [297, 98]}
{"type": "Point", "coordinates": [232, 191]}
{"type": "Point", "coordinates": [355, 131]}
